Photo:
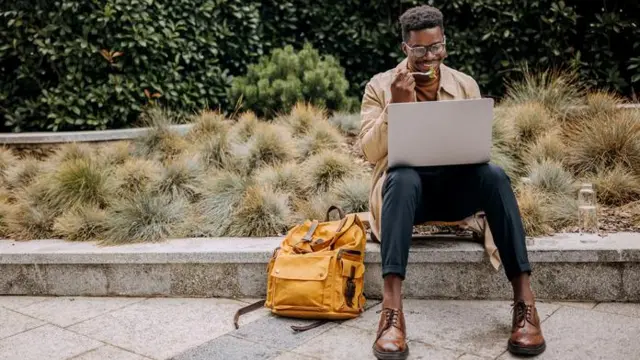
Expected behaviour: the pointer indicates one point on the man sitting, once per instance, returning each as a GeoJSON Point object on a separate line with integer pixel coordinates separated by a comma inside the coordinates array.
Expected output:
{"type": "Point", "coordinates": [403, 197]}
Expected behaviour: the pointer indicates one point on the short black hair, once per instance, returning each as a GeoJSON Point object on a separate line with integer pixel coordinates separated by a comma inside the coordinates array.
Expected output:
{"type": "Point", "coordinates": [420, 18]}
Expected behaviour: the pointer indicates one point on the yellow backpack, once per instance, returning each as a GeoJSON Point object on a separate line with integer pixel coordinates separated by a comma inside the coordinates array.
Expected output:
{"type": "Point", "coordinates": [317, 272]}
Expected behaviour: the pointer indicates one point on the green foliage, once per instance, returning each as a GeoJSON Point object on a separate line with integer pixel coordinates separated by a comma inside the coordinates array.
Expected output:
{"type": "Point", "coordinates": [72, 64]}
{"type": "Point", "coordinates": [287, 77]}
{"type": "Point", "coordinates": [486, 38]}
{"type": "Point", "coordinates": [92, 65]}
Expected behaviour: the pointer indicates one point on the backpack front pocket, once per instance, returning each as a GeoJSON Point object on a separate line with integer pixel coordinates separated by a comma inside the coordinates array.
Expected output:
{"type": "Point", "coordinates": [301, 282]}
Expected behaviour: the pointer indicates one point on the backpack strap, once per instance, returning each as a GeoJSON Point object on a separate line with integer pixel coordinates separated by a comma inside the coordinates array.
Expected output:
{"type": "Point", "coordinates": [333, 207]}
{"type": "Point", "coordinates": [259, 304]}
{"type": "Point", "coordinates": [313, 325]}
{"type": "Point", "coordinates": [249, 308]}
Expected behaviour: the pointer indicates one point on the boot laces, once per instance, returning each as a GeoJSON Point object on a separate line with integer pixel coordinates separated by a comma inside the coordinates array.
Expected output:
{"type": "Point", "coordinates": [523, 312]}
{"type": "Point", "coordinates": [392, 318]}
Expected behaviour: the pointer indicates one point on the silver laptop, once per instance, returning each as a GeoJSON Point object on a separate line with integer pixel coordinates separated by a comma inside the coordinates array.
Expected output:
{"type": "Point", "coordinates": [435, 133]}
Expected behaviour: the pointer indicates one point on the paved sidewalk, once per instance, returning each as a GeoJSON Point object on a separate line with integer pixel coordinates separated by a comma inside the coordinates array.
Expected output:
{"type": "Point", "coordinates": [82, 328]}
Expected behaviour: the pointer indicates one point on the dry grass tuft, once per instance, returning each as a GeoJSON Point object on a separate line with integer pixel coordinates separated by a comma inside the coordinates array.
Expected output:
{"type": "Point", "coordinates": [246, 127]}
{"type": "Point", "coordinates": [7, 161]}
{"type": "Point", "coordinates": [302, 118]}
{"type": "Point", "coordinates": [530, 121]}
{"type": "Point", "coordinates": [312, 208]}
{"type": "Point", "coordinates": [327, 168]}
{"type": "Point", "coordinates": [30, 216]}
{"type": "Point", "coordinates": [160, 141]}
{"type": "Point", "coordinates": [23, 173]}
{"type": "Point", "coordinates": [534, 210]}
{"type": "Point", "coordinates": [286, 178]}
{"type": "Point", "coordinates": [562, 211]}
{"type": "Point", "coordinates": [221, 196]}
{"type": "Point", "coordinates": [262, 212]}
{"type": "Point", "coordinates": [72, 151]}
{"type": "Point", "coordinates": [181, 178]}
{"type": "Point", "coordinates": [605, 142]}
{"type": "Point", "coordinates": [600, 103]}
{"type": "Point", "coordinates": [322, 136]}
{"type": "Point", "coordinates": [551, 177]}
{"type": "Point", "coordinates": [270, 145]}
{"type": "Point", "coordinates": [556, 90]}
{"type": "Point", "coordinates": [352, 194]}
{"type": "Point", "coordinates": [504, 133]}
{"type": "Point", "coordinates": [502, 158]}
{"type": "Point", "coordinates": [137, 175]}
{"type": "Point", "coordinates": [115, 153]}
{"type": "Point", "coordinates": [5, 208]}
{"type": "Point", "coordinates": [550, 146]}
{"type": "Point", "coordinates": [29, 221]}
{"type": "Point", "coordinates": [80, 182]}
{"type": "Point", "coordinates": [206, 124]}
{"type": "Point", "coordinates": [348, 124]}
{"type": "Point", "coordinates": [84, 223]}
{"type": "Point", "coordinates": [145, 217]}
{"type": "Point", "coordinates": [216, 151]}
{"type": "Point", "coordinates": [616, 186]}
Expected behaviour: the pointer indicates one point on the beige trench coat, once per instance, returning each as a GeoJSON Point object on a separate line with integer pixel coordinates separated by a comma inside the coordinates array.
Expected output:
{"type": "Point", "coordinates": [373, 141]}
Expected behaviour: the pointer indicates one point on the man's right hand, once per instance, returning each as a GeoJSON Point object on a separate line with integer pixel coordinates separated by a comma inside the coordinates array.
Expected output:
{"type": "Point", "coordinates": [403, 87]}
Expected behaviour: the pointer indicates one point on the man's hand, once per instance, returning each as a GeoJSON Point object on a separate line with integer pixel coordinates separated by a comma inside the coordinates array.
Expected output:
{"type": "Point", "coordinates": [403, 87]}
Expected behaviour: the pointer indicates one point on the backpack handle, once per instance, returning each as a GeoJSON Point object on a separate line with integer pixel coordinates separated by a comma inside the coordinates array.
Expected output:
{"type": "Point", "coordinates": [333, 207]}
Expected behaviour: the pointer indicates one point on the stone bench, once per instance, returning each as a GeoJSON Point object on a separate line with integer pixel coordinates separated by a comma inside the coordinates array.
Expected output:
{"type": "Point", "coordinates": [564, 268]}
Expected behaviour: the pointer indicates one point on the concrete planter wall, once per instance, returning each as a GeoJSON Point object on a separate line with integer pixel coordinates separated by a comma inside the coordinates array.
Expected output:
{"type": "Point", "coordinates": [564, 269]}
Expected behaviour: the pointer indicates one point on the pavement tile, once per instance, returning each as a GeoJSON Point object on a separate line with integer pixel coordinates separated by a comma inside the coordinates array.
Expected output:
{"type": "Point", "coordinates": [109, 352]}
{"type": "Point", "coordinates": [473, 357]}
{"type": "Point", "coordinates": [12, 323]}
{"type": "Point", "coordinates": [46, 342]}
{"type": "Point", "coordinates": [575, 304]}
{"type": "Point", "coordinates": [295, 356]}
{"type": "Point", "coordinates": [229, 348]}
{"type": "Point", "coordinates": [586, 334]}
{"type": "Point", "coordinates": [17, 302]}
{"type": "Point", "coordinates": [628, 309]}
{"type": "Point", "coordinates": [276, 332]}
{"type": "Point", "coordinates": [164, 327]}
{"type": "Point", "coordinates": [346, 342]}
{"type": "Point", "coordinates": [475, 327]}
{"type": "Point", "coordinates": [66, 311]}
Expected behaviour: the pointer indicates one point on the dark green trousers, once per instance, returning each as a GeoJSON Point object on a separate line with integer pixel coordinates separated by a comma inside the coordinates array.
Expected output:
{"type": "Point", "coordinates": [415, 195]}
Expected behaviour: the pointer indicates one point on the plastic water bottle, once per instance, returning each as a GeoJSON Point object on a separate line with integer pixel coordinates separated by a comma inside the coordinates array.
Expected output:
{"type": "Point", "coordinates": [587, 214]}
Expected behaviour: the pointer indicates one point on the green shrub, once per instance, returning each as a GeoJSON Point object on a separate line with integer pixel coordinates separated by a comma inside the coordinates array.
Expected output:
{"type": "Point", "coordinates": [287, 77]}
{"type": "Point", "coordinates": [92, 65]}
{"type": "Point", "coordinates": [73, 64]}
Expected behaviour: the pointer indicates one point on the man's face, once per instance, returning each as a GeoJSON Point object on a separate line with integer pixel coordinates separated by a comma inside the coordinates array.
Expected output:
{"type": "Point", "coordinates": [431, 40]}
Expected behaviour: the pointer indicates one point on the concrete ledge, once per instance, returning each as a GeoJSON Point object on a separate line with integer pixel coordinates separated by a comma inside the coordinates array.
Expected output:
{"type": "Point", "coordinates": [79, 136]}
{"type": "Point", "coordinates": [564, 268]}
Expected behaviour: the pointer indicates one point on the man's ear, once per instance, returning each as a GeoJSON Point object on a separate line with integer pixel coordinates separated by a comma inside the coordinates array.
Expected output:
{"type": "Point", "coordinates": [403, 46]}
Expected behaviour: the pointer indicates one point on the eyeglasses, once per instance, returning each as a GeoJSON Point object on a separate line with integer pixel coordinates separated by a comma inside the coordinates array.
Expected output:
{"type": "Point", "coordinates": [421, 51]}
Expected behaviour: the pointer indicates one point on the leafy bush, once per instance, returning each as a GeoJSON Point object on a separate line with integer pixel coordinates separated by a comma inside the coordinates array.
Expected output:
{"type": "Point", "coordinates": [287, 77]}
{"type": "Point", "coordinates": [93, 65]}
{"type": "Point", "coordinates": [73, 64]}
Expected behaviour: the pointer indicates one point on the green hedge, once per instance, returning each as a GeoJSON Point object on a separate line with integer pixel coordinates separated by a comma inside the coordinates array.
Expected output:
{"type": "Point", "coordinates": [76, 64]}
{"type": "Point", "coordinates": [55, 77]}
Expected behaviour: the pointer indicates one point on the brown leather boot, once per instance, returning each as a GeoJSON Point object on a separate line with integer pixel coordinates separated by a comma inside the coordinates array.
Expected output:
{"type": "Point", "coordinates": [526, 333]}
{"type": "Point", "coordinates": [391, 341]}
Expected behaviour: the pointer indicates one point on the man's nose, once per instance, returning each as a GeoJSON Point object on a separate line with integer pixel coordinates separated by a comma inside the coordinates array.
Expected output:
{"type": "Point", "coordinates": [429, 56]}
